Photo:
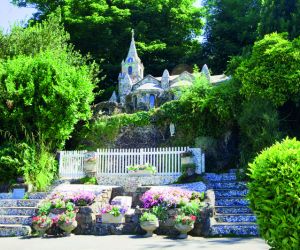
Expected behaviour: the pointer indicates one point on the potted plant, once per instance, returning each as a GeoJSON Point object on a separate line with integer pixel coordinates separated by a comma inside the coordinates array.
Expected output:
{"type": "Point", "coordinates": [187, 157]}
{"type": "Point", "coordinates": [142, 170]}
{"type": "Point", "coordinates": [41, 224]}
{"type": "Point", "coordinates": [149, 222]}
{"type": "Point", "coordinates": [90, 163]}
{"type": "Point", "coordinates": [113, 214]}
{"type": "Point", "coordinates": [67, 222]}
{"type": "Point", "coordinates": [184, 224]}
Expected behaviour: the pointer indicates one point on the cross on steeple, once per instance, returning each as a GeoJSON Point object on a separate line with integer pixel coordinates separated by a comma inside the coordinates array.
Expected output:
{"type": "Point", "coordinates": [132, 33]}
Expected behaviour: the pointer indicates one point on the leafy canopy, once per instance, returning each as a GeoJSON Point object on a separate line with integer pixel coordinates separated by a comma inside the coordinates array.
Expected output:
{"type": "Point", "coordinates": [103, 28]}
{"type": "Point", "coordinates": [272, 71]}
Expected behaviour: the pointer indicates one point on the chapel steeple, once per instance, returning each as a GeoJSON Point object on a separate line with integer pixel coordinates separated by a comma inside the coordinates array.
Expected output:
{"type": "Point", "coordinates": [133, 65]}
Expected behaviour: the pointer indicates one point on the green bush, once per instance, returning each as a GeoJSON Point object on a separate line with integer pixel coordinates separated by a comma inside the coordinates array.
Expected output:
{"type": "Point", "coordinates": [274, 193]}
{"type": "Point", "coordinates": [32, 161]}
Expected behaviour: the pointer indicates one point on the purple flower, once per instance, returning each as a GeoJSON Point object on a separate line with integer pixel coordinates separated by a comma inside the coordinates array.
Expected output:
{"type": "Point", "coordinates": [168, 196]}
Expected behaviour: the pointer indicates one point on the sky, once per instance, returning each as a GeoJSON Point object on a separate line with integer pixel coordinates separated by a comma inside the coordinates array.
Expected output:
{"type": "Point", "coordinates": [10, 14]}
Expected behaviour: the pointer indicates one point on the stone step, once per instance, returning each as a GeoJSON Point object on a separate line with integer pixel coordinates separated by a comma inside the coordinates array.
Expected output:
{"type": "Point", "coordinates": [18, 203]}
{"type": "Point", "coordinates": [38, 195]}
{"type": "Point", "coordinates": [28, 211]}
{"type": "Point", "coordinates": [8, 230]}
{"type": "Point", "coordinates": [233, 201]}
{"type": "Point", "coordinates": [234, 229]}
{"type": "Point", "coordinates": [235, 218]}
{"type": "Point", "coordinates": [233, 210]}
{"type": "Point", "coordinates": [211, 177]}
{"type": "Point", "coordinates": [227, 185]}
{"type": "Point", "coordinates": [15, 219]}
{"type": "Point", "coordinates": [32, 196]}
{"type": "Point", "coordinates": [226, 193]}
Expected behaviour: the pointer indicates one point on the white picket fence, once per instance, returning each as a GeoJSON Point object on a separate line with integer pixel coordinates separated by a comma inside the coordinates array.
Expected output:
{"type": "Point", "coordinates": [115, 161]}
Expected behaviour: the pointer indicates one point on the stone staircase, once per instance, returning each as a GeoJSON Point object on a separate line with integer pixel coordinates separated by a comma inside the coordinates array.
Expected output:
{"type": "Point", "coordinates": [16, 215]}
{"type": "Point", "coordinates": [233, 217]}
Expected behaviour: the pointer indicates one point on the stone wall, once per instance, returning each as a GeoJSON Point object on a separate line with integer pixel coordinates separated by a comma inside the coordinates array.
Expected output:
{"type": "Point", "coordinates": [131, 183]}
{"type": "Point", "coordinates": [140, 137]}
{"type": "Point", "coordinates": [86, 216]}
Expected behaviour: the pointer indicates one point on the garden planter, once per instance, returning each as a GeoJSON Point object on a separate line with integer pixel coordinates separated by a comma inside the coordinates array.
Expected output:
{"type": "Point", "coordinates": [41, 228]}
{"type": "Point", "coordinates": [90, 164]}
{"type": "Point", "coordinates": [149, 227]}
{"type": "Point", "coordinates": [90, 168]}
{"type": "Point", "coordinates": [68, 227]}
{"type": "Point", "coordinates": [140, 173]}
{"type": "Point", "coordinates": [183, 229]}
{"type": "Point", "coordinates": [187, 160]}
{"type": "Point", "coordinates": [108, 218]}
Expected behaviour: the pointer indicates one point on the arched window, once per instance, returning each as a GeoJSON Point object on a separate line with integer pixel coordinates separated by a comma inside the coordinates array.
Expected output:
{"type": "Point", "coordinates": [152, 101]}
{"type": "Point", "coordinates": [129, 70]}
{"type": "Point", "coordinates": [130, 60]}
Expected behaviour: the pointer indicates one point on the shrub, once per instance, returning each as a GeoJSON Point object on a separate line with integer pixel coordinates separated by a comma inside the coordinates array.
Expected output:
{"type": "Point", "coordinates": [274, 193]}
{"type": "Point", "coordinates": [29, 159]}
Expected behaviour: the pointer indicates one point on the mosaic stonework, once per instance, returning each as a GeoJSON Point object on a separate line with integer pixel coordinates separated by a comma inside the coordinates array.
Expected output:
{"type": "Point", "coordinates": [232, 215]}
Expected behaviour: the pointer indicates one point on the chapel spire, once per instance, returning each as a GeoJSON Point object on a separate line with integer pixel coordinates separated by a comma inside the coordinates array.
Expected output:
{"type": "Point", "coordinates": [132, 53]}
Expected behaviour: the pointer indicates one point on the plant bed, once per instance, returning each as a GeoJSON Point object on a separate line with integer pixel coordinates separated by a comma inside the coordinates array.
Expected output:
{"type": "Point", "coordinates": [141, 170]}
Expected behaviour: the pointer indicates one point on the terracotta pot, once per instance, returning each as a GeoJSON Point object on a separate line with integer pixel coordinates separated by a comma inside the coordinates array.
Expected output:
{"type": "Point", "coordinates": [108, 218]}
{"type": "Point", "coordinates": [183, 229]}
{"type": "Point", "coordinates": [68, 227]}
{"type": "Point", "coordinates": [149, 227]}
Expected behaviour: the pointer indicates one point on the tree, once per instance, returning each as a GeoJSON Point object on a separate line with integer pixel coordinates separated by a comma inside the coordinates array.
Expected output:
{"type": "Point", "coordinates": [280, 16]}
{"type": "Point", "coordinates": [45, 86]}
{"type": "Point", "coordinates": [231, 26]}
{"type": "Point", "coordinates": [165, 31]}
{"type": "Point", "coordinates": [272, 70]}
{"type": "Point", "coordinates": [44, 96]}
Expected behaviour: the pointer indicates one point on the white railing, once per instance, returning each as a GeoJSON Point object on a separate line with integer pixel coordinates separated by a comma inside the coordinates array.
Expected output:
{"type": "Point", "coordinates": [115, 161]}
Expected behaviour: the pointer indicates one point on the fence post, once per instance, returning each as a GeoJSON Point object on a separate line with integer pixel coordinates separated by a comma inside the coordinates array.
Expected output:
{"type": "Point", "coordinates": [60, 163]}
{"type": "Point", "coordinates": [141, 156]}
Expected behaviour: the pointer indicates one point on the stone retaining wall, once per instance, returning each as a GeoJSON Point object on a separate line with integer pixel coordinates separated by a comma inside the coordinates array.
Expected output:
{"type": "Point", "coordinates": [131, 182]}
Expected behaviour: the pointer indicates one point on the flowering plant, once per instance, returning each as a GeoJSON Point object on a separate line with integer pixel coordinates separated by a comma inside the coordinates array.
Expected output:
{"type": "Point", "coordinates": [82, 198]}
{"type": "Point", "coordinates": [185, 220]}
{"type": "Point", "coordinates": [42, 221]}
{"type": "Point", "coordinates": [148, 217]}
{"type": "Point", "coordinates": [113, 210]}
{"type": "Point", "coordinates": [142, 167]}
{"type": "Point", "coordinates": [67, 218]}
{"type": "Point", "coordinates": [169, 197]}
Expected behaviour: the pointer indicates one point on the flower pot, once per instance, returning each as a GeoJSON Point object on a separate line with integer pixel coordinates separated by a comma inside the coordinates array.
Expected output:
{"type": "Point", "coordinates": [149, 227]}
{"type": "Point", "coordinates": [140, 173]}
{"type": "Point", "coordinates": [187, 160]}
{"type": "Point", "coordinates": [68, 227]}
{"type": "Point", "coordinates": [41, 228]}
{"type": "Point", "coordinates": [90, 168]}
{"type": "Point", "coordinates": [183, 229]}
{"type": "Point", "coordinates": [109, 218]}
